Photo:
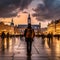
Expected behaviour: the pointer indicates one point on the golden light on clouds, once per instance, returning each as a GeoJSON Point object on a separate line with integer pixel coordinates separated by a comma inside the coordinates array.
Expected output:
{"type": "Point", "coordinates": [22, 19]}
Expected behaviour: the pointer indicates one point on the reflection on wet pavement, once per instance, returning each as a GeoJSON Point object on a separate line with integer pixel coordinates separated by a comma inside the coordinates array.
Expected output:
{"type": "Point", "coordinates": [48, 50]}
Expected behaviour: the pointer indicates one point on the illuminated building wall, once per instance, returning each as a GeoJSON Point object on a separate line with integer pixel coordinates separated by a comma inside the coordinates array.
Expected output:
{"type": "Point", "coordinates": [54, 27]}
{"type": "Point", "coordinates": [6, 28]}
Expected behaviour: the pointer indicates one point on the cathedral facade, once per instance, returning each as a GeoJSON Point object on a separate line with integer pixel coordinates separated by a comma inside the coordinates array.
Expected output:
{"type": "Point", "coordinates": [24, 26]}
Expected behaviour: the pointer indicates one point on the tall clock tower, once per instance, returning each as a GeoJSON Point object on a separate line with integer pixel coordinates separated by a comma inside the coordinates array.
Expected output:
{"type": "Point", "coordinates": [29, 19]}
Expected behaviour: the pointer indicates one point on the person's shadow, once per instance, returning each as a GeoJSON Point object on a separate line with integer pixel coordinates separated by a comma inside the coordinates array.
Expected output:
{"type": "Point", "coordinates": [29, 57]}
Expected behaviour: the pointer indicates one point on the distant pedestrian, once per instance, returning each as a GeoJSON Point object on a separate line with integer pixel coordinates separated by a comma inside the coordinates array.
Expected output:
{"type": "Point", "coordinates": [58, 36]}
{"type": "Point", "coordinates": [43, 36]}
{"type": "Point", "coordinates": [29, 35]}
{"type": "Point", "coordinates": [49, 38]}
{"type": "Point", "coordinates": [2, 37]}
{"type": "Point", "coordinates": [7, 35]}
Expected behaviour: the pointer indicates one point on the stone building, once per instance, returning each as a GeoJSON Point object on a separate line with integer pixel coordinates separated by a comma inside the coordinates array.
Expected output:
{"type": "Point", "coordinates": [6, 28]}
{"type": "Point", "coordinates": [24, 26]}
{"type": "Point", "coordinates": [54, 27]}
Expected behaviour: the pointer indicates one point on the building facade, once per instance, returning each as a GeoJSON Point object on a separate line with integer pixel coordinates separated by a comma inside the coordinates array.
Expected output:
{"type": "Point", "coordinates": [23, 27]}
{"type": "Point", "coordinates": [54, 27]}
{"type": "Point", "coordinates": [6, 28]}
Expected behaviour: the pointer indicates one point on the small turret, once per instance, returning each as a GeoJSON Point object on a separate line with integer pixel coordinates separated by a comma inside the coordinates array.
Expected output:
{"type": "Point", "coordinates": [12, 23]}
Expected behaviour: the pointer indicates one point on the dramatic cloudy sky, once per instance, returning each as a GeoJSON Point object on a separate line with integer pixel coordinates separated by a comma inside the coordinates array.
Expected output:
{"type": "Point", "coordinates": [42, 11]}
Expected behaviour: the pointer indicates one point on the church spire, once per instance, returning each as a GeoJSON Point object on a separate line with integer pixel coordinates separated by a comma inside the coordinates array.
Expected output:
{"type": "Point", "coordinates": [29, 19]}
{"type": "Point", "coordinates": [12, 23]}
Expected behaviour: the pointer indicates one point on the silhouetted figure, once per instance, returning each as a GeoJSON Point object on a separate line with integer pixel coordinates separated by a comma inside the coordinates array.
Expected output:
{"type": "Point", "coordinates": [58, 36]}
{"type": "Point", "coordinates": [43, 36]}
{"type": "Point", "coordinates": [7, 35]}
{"type": "Point", "coordinates": [2, 37]}
{"type": "Point", "coordinates": [29, 35]}
{"type": "Point", "coordinates": [7, 40]}
{"type": "Point", "coordinates": [50, 38]}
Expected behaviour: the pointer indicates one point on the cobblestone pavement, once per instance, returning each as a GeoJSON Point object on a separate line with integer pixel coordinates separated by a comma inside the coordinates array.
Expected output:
{"type": "Point", "coordinates": [40, 50]}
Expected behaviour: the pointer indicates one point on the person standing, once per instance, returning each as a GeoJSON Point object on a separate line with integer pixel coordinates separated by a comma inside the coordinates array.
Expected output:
{"type": "Point", "coordinates": [29, 35]}
{"type": "Point", "coordinates": [3, 37]}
